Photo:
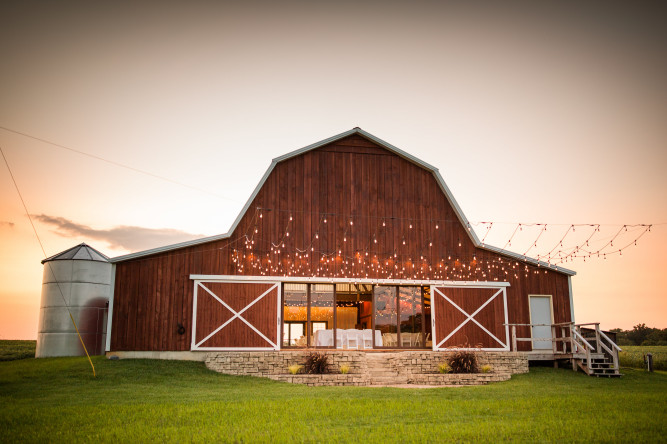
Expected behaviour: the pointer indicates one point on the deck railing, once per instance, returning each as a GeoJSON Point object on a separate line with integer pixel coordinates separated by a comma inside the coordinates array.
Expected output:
{"type": "Point", "coordinates": [567, 339]}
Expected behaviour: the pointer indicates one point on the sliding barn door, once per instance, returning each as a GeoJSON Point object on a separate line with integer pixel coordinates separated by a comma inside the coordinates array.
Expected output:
{"type": "Point", "coordinates": [236, 316]}
{"type": "Point", "coordinates": [470, 317]}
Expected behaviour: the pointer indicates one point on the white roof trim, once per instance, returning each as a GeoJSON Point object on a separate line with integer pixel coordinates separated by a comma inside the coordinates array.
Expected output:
{"type": "Point", "coordinates": [380, 142]}
{"type": "Point", "coordinates": [328, 280]}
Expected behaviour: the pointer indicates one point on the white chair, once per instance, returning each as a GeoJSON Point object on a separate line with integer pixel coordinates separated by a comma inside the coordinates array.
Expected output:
{"type": "Point", "coordinates": [406, 339]}
{"type": "Point", "coordinates": [378, 338]}
{"type": "Point", "coordinates": [352, 338]}
{"type": "Point", "coordinates": [324, 338]}
{"type": "Point", "coordinates": [367, 338]}
{"type": "Point", "coordinates": [418, 340]}
{"type": "Point", "coordinates": [340, 338]}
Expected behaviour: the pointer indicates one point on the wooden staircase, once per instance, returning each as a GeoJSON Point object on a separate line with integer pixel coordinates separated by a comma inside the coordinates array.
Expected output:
{"type": "Point", "coordinates": [596, 355]}
{"type": "Point", "coordinates": [599, 366]}
{"type": "Point", "coordinates": [593, 352]}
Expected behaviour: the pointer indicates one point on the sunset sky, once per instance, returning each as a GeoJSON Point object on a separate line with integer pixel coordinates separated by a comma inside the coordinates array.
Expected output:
{"type": "Point", "coordinates": [551, 114]}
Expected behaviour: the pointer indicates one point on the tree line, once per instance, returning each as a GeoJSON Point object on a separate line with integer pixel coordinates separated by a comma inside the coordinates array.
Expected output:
{"type": "Point", "coordinates": [641, 335]}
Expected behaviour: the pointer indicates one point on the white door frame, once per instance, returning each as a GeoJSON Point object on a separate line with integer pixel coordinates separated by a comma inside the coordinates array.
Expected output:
{"type": "Point", "coordinates": [530, 317]}
{"type": "Point", "coordinates": [194, 346]}
{"type": "Point", "coordinates": [505, 346]}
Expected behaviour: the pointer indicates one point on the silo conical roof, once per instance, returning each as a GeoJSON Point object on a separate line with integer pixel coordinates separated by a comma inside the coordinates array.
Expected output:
{"type": "Point", "coordinates": [81, 252]}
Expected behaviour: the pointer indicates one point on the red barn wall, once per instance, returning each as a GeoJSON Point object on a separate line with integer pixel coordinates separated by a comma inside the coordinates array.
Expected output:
{"type": "Point", "coordinates": [351, 178]}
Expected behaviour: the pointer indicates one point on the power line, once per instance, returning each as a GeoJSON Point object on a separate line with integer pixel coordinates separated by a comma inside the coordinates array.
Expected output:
{"type": "Point", "coordinates": [25, 207]}
{"type": "Point", "coordinates": [118, 164]}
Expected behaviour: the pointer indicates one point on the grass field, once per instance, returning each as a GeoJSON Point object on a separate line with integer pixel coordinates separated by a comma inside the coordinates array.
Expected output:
{"type": "Point", "coordinates": [12, 350]}
{"type": "Point", "coordinates": [58, 400]}
{"type": "Point", "coordinates": [633, 356]}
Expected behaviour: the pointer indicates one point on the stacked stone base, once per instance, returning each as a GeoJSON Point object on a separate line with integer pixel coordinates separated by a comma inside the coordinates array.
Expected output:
{"type": "Point", "coordinates": [458, 379]}
{"type": "Point", "coordinates": [408, 367]}
{"type": "Point", "coordinates": [320, 380]}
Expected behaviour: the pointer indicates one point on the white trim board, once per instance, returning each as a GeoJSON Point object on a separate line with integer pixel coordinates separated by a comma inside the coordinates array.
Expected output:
{"type": "Point", "coordinates": [112, 287]}
{"type": "Point", "coordinates": [434, 171]}
{"type": "Point", "coordinates": [322, 280]}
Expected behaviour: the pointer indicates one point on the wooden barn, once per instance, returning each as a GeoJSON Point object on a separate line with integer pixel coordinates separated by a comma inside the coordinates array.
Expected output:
{"type": "Point", "coordinates": [349, 243]}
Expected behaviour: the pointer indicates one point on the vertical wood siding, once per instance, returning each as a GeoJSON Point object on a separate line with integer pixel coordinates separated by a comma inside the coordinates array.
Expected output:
{"type": "Point", "coordinates": [352, 177]}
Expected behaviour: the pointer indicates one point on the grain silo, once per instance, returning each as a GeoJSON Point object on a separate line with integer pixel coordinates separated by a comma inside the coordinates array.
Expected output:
{"type": "Point", "coordinates": [76, 281]}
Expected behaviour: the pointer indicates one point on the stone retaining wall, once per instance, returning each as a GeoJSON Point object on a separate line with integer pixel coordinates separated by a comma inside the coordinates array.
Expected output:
{"type": "Point", "coordinates": [411, 367]}
{"type": "Point", "coordinates": [269, 363]}
{"type": "Point", "coordinates": [413, 363]}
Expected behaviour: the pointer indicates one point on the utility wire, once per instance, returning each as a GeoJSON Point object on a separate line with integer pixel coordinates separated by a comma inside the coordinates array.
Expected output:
{"type": "Point", "coordinates": [48, 263]}
{"type": "Point", "coordinates": [118, 164]}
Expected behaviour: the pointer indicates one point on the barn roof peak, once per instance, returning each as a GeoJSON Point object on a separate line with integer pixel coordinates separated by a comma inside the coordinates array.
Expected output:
{"type": "Point", "coordinates": [366, 135]}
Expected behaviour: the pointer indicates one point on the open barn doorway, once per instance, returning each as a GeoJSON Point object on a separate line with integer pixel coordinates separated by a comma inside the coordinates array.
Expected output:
{"type": "Point", "coordinates": [402, 314]}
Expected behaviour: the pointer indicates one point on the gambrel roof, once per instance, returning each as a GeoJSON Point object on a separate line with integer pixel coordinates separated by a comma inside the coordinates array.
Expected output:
{"type": "Point", "coordinates": [355, 131]}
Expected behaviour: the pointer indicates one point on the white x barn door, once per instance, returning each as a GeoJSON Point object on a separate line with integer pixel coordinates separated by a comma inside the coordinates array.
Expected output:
{"type": "Point", "coordinates": [470, 316]}
{"type": "Point", "coordinates": [230, 315]}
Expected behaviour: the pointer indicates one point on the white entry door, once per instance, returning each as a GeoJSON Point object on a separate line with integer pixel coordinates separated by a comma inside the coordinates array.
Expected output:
{"type": "Point", "coordinates": [540, 314]}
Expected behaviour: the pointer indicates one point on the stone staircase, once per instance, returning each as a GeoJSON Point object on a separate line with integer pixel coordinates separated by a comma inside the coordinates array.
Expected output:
{"type": "Point", "coordinates": [381, 369]}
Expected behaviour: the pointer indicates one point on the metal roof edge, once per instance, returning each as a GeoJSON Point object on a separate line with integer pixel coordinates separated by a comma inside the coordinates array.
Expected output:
{"type": "Point", "coordinates": [203, 240]}
{"type": "Point", "coordinates": [529, 260]}
{"type": "Point", "coordinates": [82, 244]}
{"type": "Point", "coordinates": [316, 145]}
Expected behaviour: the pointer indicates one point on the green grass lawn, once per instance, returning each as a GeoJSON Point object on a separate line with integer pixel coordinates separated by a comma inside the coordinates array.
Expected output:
{"type": "Point", "coordinates": [633, 356]}
{"type": "Point", "coordinates": [58, 400]}
{"type": "Point", "coordinates": [16, 349]}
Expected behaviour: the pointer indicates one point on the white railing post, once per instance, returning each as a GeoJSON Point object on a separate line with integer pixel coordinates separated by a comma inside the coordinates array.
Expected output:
{"type": "Point", "coordinates": [514, 338]}
{"type": "Point", "coordinates": [554, 339]}
{"type": "Point", "coordinates": [573, 346]}
{"type": "Point", "coordinates": [598, 348]}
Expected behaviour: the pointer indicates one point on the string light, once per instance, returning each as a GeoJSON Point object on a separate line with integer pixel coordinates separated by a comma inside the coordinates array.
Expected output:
{"type": "Point", "coordinates": [382, 265]}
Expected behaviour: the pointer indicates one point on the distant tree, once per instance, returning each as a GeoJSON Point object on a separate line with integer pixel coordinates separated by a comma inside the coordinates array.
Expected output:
{"type": "Point", "coordinates": [621, 336]}
{"type": "Point", "coordinates": [656, 337]}
{"type": "Point", "coordinates": [639, 333]}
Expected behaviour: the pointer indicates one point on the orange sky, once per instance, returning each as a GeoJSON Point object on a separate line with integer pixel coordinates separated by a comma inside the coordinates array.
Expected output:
{"type": "Point", "coordinates": [532, 114]}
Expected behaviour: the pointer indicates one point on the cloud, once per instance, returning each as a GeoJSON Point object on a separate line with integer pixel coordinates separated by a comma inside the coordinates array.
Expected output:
{"type": "Point", "coordinates": [6, 224]}
{"type": "Point", "coordinates": [122, 237]}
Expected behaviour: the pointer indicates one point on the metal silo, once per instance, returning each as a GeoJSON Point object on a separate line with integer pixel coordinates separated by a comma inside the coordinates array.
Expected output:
{"type": "Point", "coordinates": [78, 278]}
